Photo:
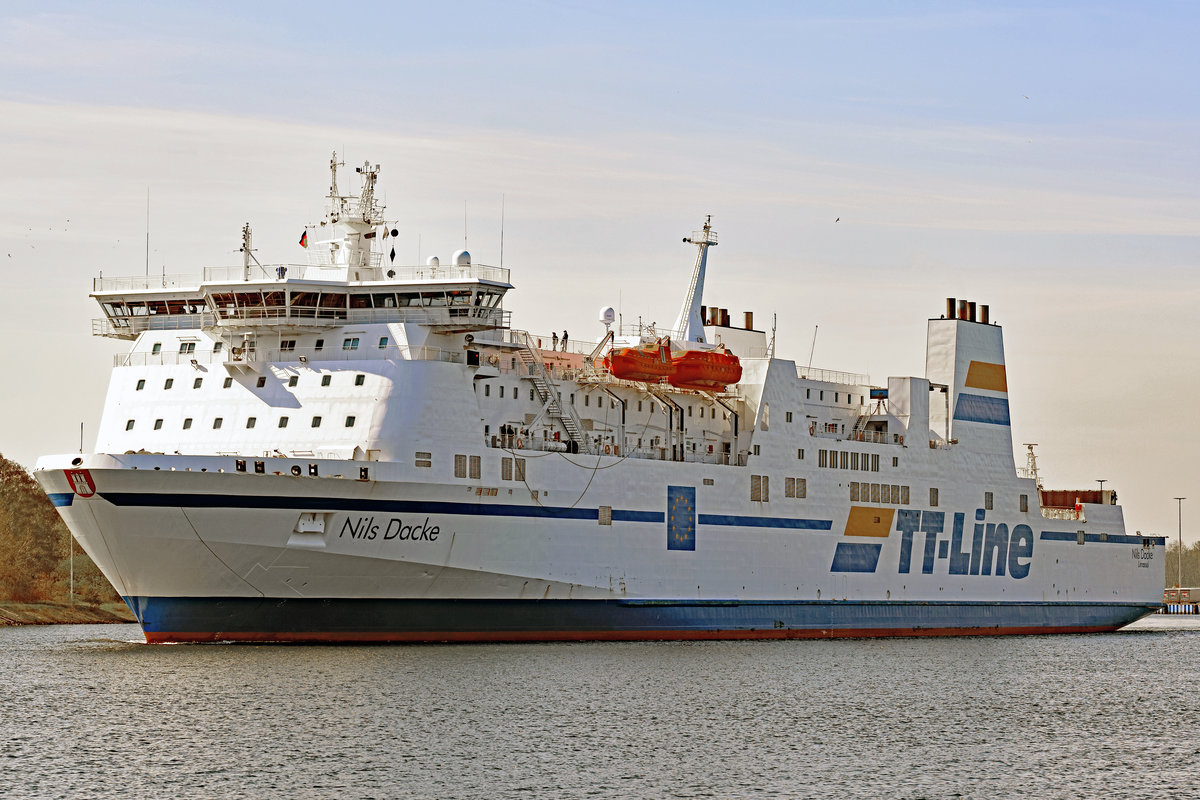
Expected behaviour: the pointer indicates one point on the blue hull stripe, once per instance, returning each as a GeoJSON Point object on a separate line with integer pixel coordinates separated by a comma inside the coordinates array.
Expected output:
{"type": "Point", "coordinates": [366, 619]}
{"type": "Point", "coordinates": [60, 499]}
{"type": "Point", "coordinates": [856, 557]}
{"type": "Point", "coordinates": [977, 408]}
{"type": "Point", "coordinates": [765, 522]}
{"type": "Point", "coordinates": [1112, 538]}
{"type": "Point", "coordinates": [147, 500]}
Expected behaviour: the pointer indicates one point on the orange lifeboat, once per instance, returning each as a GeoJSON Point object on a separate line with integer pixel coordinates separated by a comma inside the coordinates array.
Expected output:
{"type": "Point", "coordinates": [649, 363]}
{"type": "Point", "coordinates": [709, 370]}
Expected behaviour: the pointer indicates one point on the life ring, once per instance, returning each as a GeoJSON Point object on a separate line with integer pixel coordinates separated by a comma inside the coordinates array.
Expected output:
{"type": "Point", "coordinates": [493, 360]}
{"type": "Point", "coordinates": [608, 450]}
{"type": "Point", "coordinates": [812, 428]}
{"type": "Point", "coordinates": [520, 444]}
{"type": "Point", "coordinates": [901, 440]}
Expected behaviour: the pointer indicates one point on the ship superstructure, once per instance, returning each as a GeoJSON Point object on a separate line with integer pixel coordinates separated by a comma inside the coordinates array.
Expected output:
{"type": "Point", "coordinates": [354, 450]}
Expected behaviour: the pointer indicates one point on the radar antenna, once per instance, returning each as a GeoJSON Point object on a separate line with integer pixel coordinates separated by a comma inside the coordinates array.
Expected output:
{"type": "Point", "coordinates": [1031, 467]}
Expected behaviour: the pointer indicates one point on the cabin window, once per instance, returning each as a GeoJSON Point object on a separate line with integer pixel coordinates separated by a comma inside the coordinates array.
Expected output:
{"type": "Point", "coordinates": [350, 343]}
{"type": "Point", "coordinates": [506, 469]}
{"type": "Point", "coordinates": [875, 462]}
{"type": "Point", "coordinates": [895, 461]}
{"type": "Point", "coordinates": [187, 423]}
{"type": "Point", "coordinates": [572, 398]}
{"type": "Point", "coordinates": [652, 408]}
{"type": "Point", "coordinates": [141, 384]}
{"type": "Point", "coordinates": [350, 421]}
{"type": "Point", "coordinates": [836, 397]}
{"type": "Point", "coordinates": [460, 466]}
{"type": "Point", "coordinates": [788, 416]}
{"type": "Point", "coordinates": [217, 423]}
{"type": "Point", "coordinates": [987, 500]}
{"type": "Point", "coordinates": [587, 399]}
{"type": "Point", "coordinates": [325, 379]}
{"type": "Point", "coordinates": [283, 421]}
{"type": "Point", "coordinates": [903, 495]}
{"type": "Point", "coordinates": [800, 454]}
{"type": "Point", "coordinates": [1024, 503]}
{"type": "Point", "coordinates": [156, 349]}
{"type": "Point", "coordinates": [319, 344]}
{"type": "Point", "coordinates": [766, 417]}
{"type": "Point", "coordinates": [501, 391]}
{"type": "Point", "coordinates": [516, 393]}
{"type": "Point", "coordinates": [251, 422]}
{"type": "Point", "coordinates": [228, 382]}
{"type": "Point", "coordinates": [853, 491]}
{"type": "Point", "coordinates": [316, 421]}
{"type": "Point", "coordinates": [487, 390]}
{"type": "Point", "coordinates": [801, 488]}
{"type": "Point", "coordinates": [261, 382]}
{"type": "Point", "coordinates": [129, 425]}
{"type": "Point", "coordinates": [519, 469]}
{"type": "Point", "coordinates": [822, 458]}
{"type": "Point", "coordinates": [158, 424]}
{"type": "Point", "coordinates": [933, 497]}
{"type": "Point", "coordinates": [845, 460]}
{"type": "Point", "coordinates": [187, 348]}
{"type": "Point", "coordinates": [822, 394]}
{"type": "Point", "coordinates": [854, 461]}
{"type": "Point", "coordinates": [383, 342]}
{"type": "Point", "coordinates": [759, 489]}
{"type": "Point", "coordinates": [168, 383]}
{"type": "Point", "coordinates": [196, 384]}
{"type": "Point", "coordinates": [287, 345]}
{"type": "Point", "coordinates": [531, 394]}
{"type": "Point", "coordinates": [475, 468]}
{"type": "Point", "coordinates": [293, 380]}
{"type": "Point", "coordinates": [808, 394]}
{"type": "Point", "coordinates": [639, 406]}
{"type": "Point", "coordinates": [756, 450]}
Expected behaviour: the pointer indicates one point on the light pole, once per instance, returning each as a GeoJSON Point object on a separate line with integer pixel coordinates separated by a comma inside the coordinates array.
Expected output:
{"type": "Point", "coordinates": [1102, 481]}
{"type": "Point", "coordinates": [1179, 563]}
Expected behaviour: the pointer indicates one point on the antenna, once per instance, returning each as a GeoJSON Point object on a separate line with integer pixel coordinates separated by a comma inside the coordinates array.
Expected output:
{"type": "Point", "coordinates": [771, 349]}
{"type": "Point", "coordinates": [811, 349]}
{"type": "Point", "coordinates": [147, 231]}
{"type": "Point", "coordinates": [81, 438]}
{"type": "Point", "coordinates": [465, 225]}
{"type": "Point", "coordinates": [501, 231]}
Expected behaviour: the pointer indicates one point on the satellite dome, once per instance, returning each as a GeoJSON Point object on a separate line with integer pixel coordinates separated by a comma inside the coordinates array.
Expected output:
{"type": "Point", "coordinates": [607, 315]}
{"type": "Point", "coordinates": [462, 259]}
{"type": "Point", "coordinates": [432, 262]}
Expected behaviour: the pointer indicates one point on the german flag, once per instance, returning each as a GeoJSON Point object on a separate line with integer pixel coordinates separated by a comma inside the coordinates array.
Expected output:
{"type": "Point", "coordinates": [304, 239]}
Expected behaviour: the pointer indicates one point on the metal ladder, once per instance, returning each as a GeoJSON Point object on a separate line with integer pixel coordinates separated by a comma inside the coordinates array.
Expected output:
{"type": "Point", "coordinates": [548, 391]}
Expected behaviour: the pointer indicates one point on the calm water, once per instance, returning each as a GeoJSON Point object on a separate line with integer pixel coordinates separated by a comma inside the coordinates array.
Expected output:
{"type": "Point", "coordinates": [89, 711]}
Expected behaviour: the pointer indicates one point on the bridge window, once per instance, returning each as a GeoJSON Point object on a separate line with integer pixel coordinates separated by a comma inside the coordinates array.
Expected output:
{"type": "Point", "coordinates": [186, 348]}
{"type": "Point", "coordinates": [350, 343]}
{"type": "Point", "coordinates": [156, 349]}
{"type": "Point", "coordinates": [287, 345]}
{"type": "Point", "coordinates": [383, 342]}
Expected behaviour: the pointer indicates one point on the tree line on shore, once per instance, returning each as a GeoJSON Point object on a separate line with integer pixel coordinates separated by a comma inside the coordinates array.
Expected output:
{"type": "Point", "coordinates": [36, 547]}
{"type": "Point", "coordinates": [1191, 564]}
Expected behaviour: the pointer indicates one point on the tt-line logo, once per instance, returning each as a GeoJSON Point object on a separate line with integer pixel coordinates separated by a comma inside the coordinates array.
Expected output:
{"type": "Point", "coordinates": [992, 546]}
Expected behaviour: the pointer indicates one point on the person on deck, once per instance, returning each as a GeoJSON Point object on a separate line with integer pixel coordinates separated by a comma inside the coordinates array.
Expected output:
{"type": "Point", "coordinates": [564, 341]}
{"type": "Point", "coordinates": [554, 341]}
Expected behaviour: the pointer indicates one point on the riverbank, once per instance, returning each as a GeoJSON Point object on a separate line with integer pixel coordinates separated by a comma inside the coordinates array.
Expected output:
{"type": "Point", "coordinates": [62, 614]}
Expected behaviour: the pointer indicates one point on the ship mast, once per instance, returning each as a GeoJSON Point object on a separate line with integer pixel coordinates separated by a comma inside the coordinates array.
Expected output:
{"type": "Point", "coordinates": [690, 327]}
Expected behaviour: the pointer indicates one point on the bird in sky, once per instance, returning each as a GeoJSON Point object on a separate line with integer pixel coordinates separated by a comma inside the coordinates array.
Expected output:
{"type": "Point", "coordinates": [839, 219]}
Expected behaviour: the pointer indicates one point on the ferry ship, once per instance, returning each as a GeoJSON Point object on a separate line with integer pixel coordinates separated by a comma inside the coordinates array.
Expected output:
{"type": "Point", "coordinates": [354, 450]}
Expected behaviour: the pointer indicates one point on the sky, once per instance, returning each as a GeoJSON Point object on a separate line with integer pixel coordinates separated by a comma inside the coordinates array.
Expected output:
{"type": "Point", "coordinates": [862, 162]}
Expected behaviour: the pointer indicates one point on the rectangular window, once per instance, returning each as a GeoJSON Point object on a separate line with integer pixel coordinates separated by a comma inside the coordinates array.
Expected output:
{"type": "Point", "coordinates": [283, 421]}
{"type": "Point", "coordinates": [605, 515]}
{"type": "Point", "coordinates": [875, 462]}
{"type": "Point", "coordinates": [325, 379]}
{"type": "Point", "coordinates": [933, 497]}
{"type": "Point", "coordinates": [801, 487]}
{"type": "Point", "coordinates": [359, 380]}
{"type": "Point", "coordinates": [129, 425]}
{"type": "Point", "coordinates": [808, 394]}
{"type": "Point", "coordinates": [1024, 503]}
{"type": "Point", "coordinates": [187, 423]}
{"type": "Point", "coordinates": [141, 384]}
{"type": "Point", "coordinates": [531, 394]}
{"type": "Point", "coordinates": [789, 487]}
{"type": "Point", "coordinates": [487, 390]}
{"type": "Point", "coordinates": [156, 349]}
{"type": "Point", "coordinates": [520, 469]}
{"type": "Point", "coordinates": [874, 492]}
{"type": "Point", "coordinates": [903, 495]}
{"type": "Point", "coordinates": [460, 466]}
{"type": "Point", "coordinates": [217, 347]}
{"type": "Point", "coordinates": [168, 383]}
{"type": "Point", "coordinates": [319, 345]}
{"type": "Point", "coordinates": [228, 382]}
{"type": "Point", "coordinates": [350, 421]}
{"type": "Point", "coordinates": [895, 495]}
{"type": "Point", "coordinates": [158, 424]}
{"type": "Point", "coordinates": [788, 415]}
{"type": "Point", "coordinates": [822, 458]}
{"type": "Point", "coordinates": [383, 342]}
{"type": "Point", "coordinates": [261, 382]}
{"type": "Point", "coordinates": [756, 450]}
{"type": "Point", "coordinates": [506, 469]}
{"type": "Point", "coordinates": [800, 454]}
{"type": "Point", "coordinates": [196, 384]}
{"type": "Point", "coordinates": [639, 406]}
{"type": "Point", "coordinates": [502, 391]}
{"type": "Point", "coordinates": [854, 461]}
{"type": "Point", "coordinates": [350, 343]}
{"type": "Point", "coordinates": [293, 380]}
{"type": "Point", "coordinates": [987, 500]}
{"type": "Point", "coordinates": [845, 460]}
{"type": "Point", "coordinates": [756, 488]}
{"type": "Point", "coordinates": [854, 491]}
{"type": "Point", "coordinates": [187, 348]}
{"type": "Point", "coordinates": [287, 345]}
{"type": "Point", "coordinates": [766, 495]}
{"type": "Point", "coordinates": [251, 422]}
{"type": "Point", "coordinates": [316, 422]}
{"type": "Point", "coordinates": [475, 468]}
{"type": "Point", "coordinates": [217, 423]}
{"type": "Point", "coordinates": [895, 461]}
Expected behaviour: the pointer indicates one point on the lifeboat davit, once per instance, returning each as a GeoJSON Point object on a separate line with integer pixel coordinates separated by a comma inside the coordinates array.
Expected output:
{"type": "Point", "coordinates": [649, 363]}
{"type": "Point", "coordinates": [708, 370]}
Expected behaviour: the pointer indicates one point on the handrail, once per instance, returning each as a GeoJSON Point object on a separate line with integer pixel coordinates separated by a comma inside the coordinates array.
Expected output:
{"type": "Point", "coordinates": [292, 358]}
